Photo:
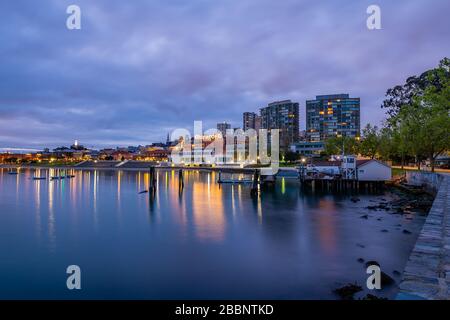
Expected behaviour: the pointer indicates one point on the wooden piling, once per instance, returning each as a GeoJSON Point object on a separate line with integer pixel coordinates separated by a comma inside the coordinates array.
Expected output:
{"type": "Point", "coordinates": [180, 179]}
{"type": "Point", "coordinates": [254, 190]}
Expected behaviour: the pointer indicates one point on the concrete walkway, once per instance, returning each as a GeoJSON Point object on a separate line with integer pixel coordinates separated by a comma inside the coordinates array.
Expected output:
{"type": "Point", "coordinates": [427, 273]}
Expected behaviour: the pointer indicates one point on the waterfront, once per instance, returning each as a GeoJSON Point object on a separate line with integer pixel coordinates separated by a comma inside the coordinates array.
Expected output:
{"type": "Point", "coordinates": [209, 241]}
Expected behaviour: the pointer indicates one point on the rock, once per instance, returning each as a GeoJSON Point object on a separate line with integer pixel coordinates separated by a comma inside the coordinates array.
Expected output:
{"type": "Point", "coordinates": [384, 230]}
{"type": "Point", "coordinates": [372, 263]}
{"type": "Point", "coordinates": [355, 199]}
{"type": "Point", "coordinates": [347, 292]}
{"type": "Point", "coordinates": [361, 260]}
{"type": "Point", "coordinates": [360, 245]}
{"type": "Point", "coordinates": [365, 217]}
{"type": "Point", "coordinates": [406, 231]}
{"type": "Point", "coordinates": [386, 280]}
{"type": "Point", "coordinates": [396, 273]}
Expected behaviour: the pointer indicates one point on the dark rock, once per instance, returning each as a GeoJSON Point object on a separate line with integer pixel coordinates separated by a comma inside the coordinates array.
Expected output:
{"type": "Point", "coordinates": [379, 219]}
{"type": "Point", "coordinates": [396, 273]}
{"type": "Point", "coordinates": [365, 217]}
{"type": "Point", "coordinates": [406, 231]}
{"type": "Point", "coordinates": [386, 280]}
{"type": "Point", "coordinates": [347, 292]}
{"type": "Point", "coordinates": [355, 199]}
{"type": "Point", "coordinates": [360, 245]}
{"type": "Point", "coordinates": [384, 230]}
{"type": "Point", "coordinates": [361, 260]}
{"type": "Point", "coordinates": [372, 263]}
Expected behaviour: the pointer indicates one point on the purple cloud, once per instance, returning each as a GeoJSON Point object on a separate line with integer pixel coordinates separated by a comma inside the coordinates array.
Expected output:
{"type": "Point", "coordinates": [139, 69]}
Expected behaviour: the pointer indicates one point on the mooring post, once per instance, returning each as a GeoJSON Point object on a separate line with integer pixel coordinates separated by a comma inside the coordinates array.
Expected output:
{"type": "Point", "coordinates": [254, 190]}
{"type": "Point", "coordinates": [152, 178]}
{"type": "Point", "coordinates": [180, 179]}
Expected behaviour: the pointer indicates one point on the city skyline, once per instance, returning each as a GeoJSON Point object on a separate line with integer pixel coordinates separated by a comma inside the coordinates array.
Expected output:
{"type": "Point", "coordinates": [133, 73]}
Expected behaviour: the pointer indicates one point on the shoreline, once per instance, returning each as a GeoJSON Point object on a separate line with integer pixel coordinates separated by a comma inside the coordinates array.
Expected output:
{"type": "Point", "coordinates": [141, 169]}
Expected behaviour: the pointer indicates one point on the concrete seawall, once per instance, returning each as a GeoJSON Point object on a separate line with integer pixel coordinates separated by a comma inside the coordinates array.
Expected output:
{"type": "Point", "coordinates": [427, 272]}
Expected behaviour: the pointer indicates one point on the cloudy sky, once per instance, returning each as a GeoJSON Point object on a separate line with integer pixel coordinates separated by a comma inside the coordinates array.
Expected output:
{"type": "Point", "coordinates": [139, 69]}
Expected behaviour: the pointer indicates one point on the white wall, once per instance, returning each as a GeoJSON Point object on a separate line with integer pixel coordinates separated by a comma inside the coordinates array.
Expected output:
{"type": "Point", "coordinates": [374, 171]}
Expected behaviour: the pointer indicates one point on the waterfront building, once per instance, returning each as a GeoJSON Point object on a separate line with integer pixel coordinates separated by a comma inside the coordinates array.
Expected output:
{"type": "Point", "coordinates": [331, 116]}
{"type": "Point", "coordinates": [351, 168]}
{"type": "Point", "coordinates": [282, 115]}
{"type": "Point", "coordinates": [307, 148]}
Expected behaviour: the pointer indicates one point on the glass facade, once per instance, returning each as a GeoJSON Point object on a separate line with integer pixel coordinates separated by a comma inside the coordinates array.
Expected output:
{"type": "Point", "coordinates": [331, 116]}
{"type": "Point", "coordinates": [282, 115]}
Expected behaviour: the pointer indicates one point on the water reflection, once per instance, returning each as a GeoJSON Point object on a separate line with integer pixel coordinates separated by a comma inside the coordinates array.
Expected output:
{"type": "Point", "coordinates": [279, 244]}
{"type": "Point", "coordinates": [208, 210]}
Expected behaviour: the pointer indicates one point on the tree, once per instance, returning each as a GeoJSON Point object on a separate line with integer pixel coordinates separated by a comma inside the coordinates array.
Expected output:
{"type": "Point", "coordinates": [371, 141]}
{"type": "Point", "coordinates": [419, 114]}
{"type": "Point", "coordinates": [334, 145]}
{"type": "Point", "coordinates": [402, 95]}
{"type": "Point", "coordinates": [290, 156]}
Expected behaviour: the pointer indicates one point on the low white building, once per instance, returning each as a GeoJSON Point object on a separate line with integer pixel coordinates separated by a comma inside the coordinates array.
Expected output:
{"type": "Point", "coordinates": [351, 168]}
{"type": "Point", "coordinates": [373, 170]}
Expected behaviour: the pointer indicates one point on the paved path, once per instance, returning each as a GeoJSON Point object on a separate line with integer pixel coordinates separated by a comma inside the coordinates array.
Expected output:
{"type": "Point", "coordinates": [425, 169]}
{"type": "Point", "coordinates": [427, 273]}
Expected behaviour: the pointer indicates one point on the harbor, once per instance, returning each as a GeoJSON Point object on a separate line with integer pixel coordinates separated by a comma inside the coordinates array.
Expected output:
{"type": "Point", "coordinates": [226, 238]}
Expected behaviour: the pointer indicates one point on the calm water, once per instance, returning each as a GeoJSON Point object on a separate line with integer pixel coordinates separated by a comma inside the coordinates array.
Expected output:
{"type": "Point", "coordinates": [207, 242]}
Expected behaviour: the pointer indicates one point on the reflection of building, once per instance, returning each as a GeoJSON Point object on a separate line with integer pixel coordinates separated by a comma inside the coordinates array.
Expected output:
{"type": "Point", "coordinates": [332, 115]}
{"type": "Point", "coordinates": [282, 115]}
{"type": "Point", "coordinates": [251, 120]}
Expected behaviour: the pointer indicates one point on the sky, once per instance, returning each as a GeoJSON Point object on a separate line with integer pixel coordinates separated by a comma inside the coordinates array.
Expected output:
{"type": "Point", "coordinates": [136, 70]}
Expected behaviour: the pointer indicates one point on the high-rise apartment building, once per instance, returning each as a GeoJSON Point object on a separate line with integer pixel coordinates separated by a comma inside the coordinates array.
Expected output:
{"type": "Point", "coordinates": [331, 116]}
{"type": "Point", "coordinates": [223, 127]}
{"type": "Point", "coordinates": [282, 115]}
{"type": "Point", "coordinates": [250, 120]}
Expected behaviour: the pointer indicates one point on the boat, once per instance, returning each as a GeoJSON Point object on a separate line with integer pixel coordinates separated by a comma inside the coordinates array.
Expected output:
{"type": "Point", "coordinates": [57, 177]}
